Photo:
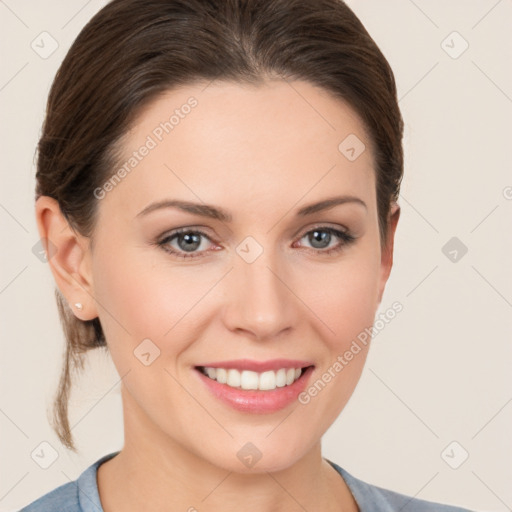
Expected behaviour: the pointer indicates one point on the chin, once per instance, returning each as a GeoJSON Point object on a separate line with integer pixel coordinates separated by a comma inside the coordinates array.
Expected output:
{"type": "Point", "coordinates": [261, 455]}
{"type": "Point", "coordinates": [269, 463]}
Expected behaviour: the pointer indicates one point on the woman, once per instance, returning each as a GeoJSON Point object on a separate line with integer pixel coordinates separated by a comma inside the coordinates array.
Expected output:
{"type": "Point", "coordinates": [217, 187]}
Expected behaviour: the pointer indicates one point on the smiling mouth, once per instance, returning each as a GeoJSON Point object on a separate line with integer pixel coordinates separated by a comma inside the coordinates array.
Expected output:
{"type": "Point", "coordinates": [250, 380]}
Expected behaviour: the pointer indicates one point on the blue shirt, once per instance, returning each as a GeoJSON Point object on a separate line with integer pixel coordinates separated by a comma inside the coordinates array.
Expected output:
{"type": "Point", "coordinates": [82, 495]}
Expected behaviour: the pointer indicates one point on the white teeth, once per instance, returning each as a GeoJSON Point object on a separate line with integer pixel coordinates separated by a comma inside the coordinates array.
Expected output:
{"type": "Point", "coordinates": [247, 379]}
{"type": "Point", "coordinates": [233, 378]}
{"type": "Point", "coordinates": [281, 377]}
{"type": "Point", "coordinates": [267, 381]}
{"type": "Point", "coordinates": [222, 375]}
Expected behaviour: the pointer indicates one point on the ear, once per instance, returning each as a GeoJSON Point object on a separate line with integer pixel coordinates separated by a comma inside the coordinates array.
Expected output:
{"type": "Point", "coordinates": [387, 251]}
{"type": "Point", "coordinates": [69, 256]}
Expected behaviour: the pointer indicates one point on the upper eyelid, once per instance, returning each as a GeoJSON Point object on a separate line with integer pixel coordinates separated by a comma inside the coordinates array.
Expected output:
{"type": "Point", "coordinates": [302, 232]}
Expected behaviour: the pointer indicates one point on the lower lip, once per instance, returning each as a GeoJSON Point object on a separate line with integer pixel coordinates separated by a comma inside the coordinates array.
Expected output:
{"type": "Point", "coordinates": [257, 401]}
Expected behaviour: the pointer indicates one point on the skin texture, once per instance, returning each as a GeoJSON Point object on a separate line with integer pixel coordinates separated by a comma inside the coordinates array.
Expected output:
{"type": "Point", "coordinates": [260, 153]}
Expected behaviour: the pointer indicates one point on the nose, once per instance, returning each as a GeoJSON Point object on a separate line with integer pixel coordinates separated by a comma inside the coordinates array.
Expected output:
{"type": "Point", "coordinates": [261, 303]}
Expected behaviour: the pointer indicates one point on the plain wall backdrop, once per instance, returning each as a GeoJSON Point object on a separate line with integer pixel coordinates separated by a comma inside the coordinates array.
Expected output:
{"type": "Point", "coordinates": [436, 387]}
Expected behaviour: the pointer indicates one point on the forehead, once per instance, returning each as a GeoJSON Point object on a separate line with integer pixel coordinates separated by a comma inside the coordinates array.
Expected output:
{"type": "Point", "coordinates": [274, 142]}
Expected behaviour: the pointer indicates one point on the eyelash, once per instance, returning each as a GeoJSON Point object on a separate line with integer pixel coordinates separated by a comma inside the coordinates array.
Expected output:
{"type": "Point", "coordinates": [346, 239]}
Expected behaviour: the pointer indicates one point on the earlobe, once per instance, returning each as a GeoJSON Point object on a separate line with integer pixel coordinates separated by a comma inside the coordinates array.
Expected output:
{"type": "Point", "coordinates": [68, 256]}
{"type": "Point", "coordinates": [387, 252]}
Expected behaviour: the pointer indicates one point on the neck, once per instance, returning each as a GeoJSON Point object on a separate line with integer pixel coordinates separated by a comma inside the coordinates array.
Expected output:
{"type": "Point", "coordinates": [163, 475]}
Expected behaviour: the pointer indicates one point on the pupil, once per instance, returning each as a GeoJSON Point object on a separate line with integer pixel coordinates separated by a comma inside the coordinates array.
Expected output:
{"type": "Point", "coordinates": [192, 241]}
{"type": "Point", "coordinates": [322, 236]}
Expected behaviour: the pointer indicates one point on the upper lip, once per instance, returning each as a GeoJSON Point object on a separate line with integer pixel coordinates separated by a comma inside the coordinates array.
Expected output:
{"type": "Point", "coordinates": [258, 366]}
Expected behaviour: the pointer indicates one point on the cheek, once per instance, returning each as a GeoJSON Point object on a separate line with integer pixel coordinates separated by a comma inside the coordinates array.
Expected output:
{"type": "Point", "coordinates": [344, 297]}
{"type": "Point", "coordinates": [348, 309]}
{"type": "Point", "coordinates": [132, 294]}
{"type": "Point", "coordinates": [141, 298]}
{"type": "Point", "coordinates": [356, 303]}
{"type": "Point", "coordinates": [139, 305]}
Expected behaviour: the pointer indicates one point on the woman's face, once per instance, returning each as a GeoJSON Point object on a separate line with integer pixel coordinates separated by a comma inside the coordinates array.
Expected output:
{"type": "Point", "coordinates": [248, 294]}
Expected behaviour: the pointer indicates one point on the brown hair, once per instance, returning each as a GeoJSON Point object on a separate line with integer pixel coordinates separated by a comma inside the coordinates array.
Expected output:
{"type": "Point", "coordinates": [132, 51]}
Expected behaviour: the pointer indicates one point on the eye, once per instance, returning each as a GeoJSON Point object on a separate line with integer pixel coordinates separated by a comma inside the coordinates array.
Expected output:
{"type": "Point", "coordinates": [320, 238]}
{"type": "Point", "coordinates": [188, 241]}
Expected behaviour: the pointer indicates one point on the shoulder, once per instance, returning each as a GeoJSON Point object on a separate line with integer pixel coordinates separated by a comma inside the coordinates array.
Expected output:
{"type": "Point", "coordinates": [373, 498]}
{"type": "Point", "coordinates": [80, 495]}
{"type": "Point", "coordinates": [63, 498]}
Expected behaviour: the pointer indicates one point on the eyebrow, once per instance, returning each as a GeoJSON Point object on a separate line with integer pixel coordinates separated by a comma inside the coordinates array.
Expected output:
{"type": "Point", "coordinates": [214, 212]}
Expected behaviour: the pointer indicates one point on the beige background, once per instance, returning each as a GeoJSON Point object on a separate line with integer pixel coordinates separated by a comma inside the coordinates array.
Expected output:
{"type": "Point", "coordinates": [438, 373]}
